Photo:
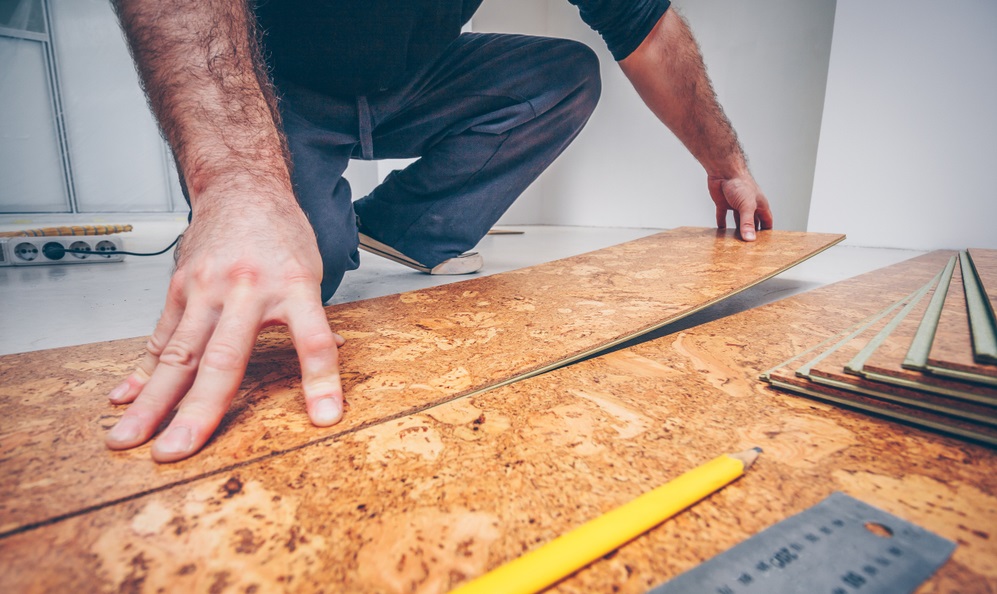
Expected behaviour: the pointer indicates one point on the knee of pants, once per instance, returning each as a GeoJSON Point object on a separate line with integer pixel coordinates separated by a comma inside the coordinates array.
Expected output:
{"type": "Point", "coordinates": [338, 246]}
{"type": "Point", "coordinates": [579, 73]}
{"type": "Point", "coordinates": [334, 267]}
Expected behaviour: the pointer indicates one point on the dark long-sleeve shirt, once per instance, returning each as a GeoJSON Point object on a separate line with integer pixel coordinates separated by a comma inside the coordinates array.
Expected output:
{"type": "Point", "coordinates": [352, 47]}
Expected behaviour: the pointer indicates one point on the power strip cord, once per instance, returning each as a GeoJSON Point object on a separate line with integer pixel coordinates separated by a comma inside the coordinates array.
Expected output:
{"type": "Point", "coordinates": [54, 251]}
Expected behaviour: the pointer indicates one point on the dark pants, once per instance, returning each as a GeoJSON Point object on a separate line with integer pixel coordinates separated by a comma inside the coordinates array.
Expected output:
{"type": "Point", "coordinates": [485, 119]}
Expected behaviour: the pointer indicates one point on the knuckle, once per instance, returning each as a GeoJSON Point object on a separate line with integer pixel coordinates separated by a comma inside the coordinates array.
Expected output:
{"type": "Point", "coordinates": [243, 273]}
{"type": "Point", "coordinates": [319, 342]}
{"type": "Point", "coordinates": [299, 275]}
{"type": "Point", "coordinates": [176, 291]}
{"type": "Point", "coordinates": [223, 356]}
{"type": "Point", "coordinates": [195, 411]}
{"type": "Point", "coordinates": [178, 354]}
{"type": "Point", "coordinates": [154, 346]}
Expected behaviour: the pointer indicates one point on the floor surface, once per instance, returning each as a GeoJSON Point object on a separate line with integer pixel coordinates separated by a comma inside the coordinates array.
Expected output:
{"type": "Point", "coordinates": [62, 305]}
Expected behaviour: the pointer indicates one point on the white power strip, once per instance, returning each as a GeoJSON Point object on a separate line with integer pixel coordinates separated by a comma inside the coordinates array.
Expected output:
{"type": "Point", "coordinates": [34, 251]}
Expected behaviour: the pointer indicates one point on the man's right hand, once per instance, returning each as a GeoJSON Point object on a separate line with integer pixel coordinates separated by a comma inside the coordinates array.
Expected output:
{"type": "Point", "coordinates": [236, 273]}
{"type": "Point", "coordinates": [249, 258]}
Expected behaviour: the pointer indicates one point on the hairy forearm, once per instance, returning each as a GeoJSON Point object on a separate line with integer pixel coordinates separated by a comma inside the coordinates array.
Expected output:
{"type": "Point", "coordinates": [202, 71]}
{"type": "Point", "coordinates": [668, 73]}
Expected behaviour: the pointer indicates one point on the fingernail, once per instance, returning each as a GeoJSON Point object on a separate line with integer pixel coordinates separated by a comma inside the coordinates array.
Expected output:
{"type": "Point", "coordinates": [119, 392]}
{"type": "Point", "coordinates": [175, 440]}
{"type": "Point", "coordinates": [326, 412]}
{"type": "Point", "coordinates": [126, 431]}
{"type": "Point", "coordinates": [749, 235]}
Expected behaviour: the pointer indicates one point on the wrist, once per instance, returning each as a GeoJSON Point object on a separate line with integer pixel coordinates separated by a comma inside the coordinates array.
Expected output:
{"type": "Point", "coordinates": [729, 169]}
{"type": "Point", "coordinates": [242, 198]}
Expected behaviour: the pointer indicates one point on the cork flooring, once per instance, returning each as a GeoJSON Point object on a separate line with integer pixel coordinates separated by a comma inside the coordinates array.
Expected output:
{"type": "Point", "coordinates": [405, 353]}
{"type": "Point", "coordinates": [424, 501]}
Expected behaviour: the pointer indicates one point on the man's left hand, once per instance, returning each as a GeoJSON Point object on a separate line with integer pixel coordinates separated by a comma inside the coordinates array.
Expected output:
{"type": "Point", "coordinates": [743, 196]}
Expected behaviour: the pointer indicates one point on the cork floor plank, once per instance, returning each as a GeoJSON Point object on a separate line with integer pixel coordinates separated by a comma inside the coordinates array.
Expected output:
{"type": "Point", "coordinates": [887, 408]}
{"type": "Point", "coordinates": [404, 353]}
{"type": "Point", "coordinates": [951, 352]}
{"type": "Point", "coordinates": [425, 502]}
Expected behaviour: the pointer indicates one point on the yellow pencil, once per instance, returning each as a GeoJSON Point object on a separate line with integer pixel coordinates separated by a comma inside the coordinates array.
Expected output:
{"type": "Point", "coordinates": [566, 554]}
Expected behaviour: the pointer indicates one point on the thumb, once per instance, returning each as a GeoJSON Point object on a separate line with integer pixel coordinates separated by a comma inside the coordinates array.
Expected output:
{"type": "Point", "coordinates": [747, 224]}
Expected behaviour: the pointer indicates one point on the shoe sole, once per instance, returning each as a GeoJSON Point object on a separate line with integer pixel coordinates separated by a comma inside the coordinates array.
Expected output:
{"type": "Point", "coordinates": [465, 263]}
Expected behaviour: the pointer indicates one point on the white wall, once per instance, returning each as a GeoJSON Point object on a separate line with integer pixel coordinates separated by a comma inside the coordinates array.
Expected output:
{"type": "Point", "coordinates": [907, 150]}
{"type": "Point", "coordinates": [768, 61]}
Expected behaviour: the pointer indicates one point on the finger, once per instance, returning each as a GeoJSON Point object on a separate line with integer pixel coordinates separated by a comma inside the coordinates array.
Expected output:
{"type": "Point", "coordinates": [219, 375]}
{"type": "Point", "coordinates": [744, 219]}
{"type": "Point", "coordinates": [128, 390]}
{"type": "Point", "coordinates": [764, 215]}
{"type": "Point", "coordinates": [721, 217]}
{"type": "Point", "coordinates": [737, 222]}
{"type": "Point", "coordinates": [316, 345]}
{"type": "Point", "coordinates": [171, 379]}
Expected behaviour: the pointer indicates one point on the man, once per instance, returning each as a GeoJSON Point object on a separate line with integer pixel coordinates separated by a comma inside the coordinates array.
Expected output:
{"type": "Point", "coordinates": [272, 225]}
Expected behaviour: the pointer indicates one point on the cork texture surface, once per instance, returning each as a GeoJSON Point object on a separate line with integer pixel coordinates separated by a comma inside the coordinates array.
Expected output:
{"type": "Point", "coordinates": [404, 353]}
{"type": "Point", "coordinates": [424, 502]}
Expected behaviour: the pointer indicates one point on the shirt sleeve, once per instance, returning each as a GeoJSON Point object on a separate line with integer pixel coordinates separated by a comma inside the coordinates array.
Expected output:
{"type": "Point", "coordinates": [623, 24]}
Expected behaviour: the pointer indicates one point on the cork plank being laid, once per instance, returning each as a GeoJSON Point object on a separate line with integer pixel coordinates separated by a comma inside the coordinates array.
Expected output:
{"type": "Point", "coordinates": [951, 352]}
{"type": "Point", "coordinates": [424, 502]}
{"type": "Point", "coordinates": [404, 353]}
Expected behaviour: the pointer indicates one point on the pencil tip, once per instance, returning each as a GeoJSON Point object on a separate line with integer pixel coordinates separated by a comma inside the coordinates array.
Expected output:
{"type": "Point", "coordinates": [747, 457]}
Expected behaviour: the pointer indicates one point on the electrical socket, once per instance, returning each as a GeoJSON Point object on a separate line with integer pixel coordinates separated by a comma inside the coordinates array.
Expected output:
{"type": "Point", "coordinates": [34, 251]}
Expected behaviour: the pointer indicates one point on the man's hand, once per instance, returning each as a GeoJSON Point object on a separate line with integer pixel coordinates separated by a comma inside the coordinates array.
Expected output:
{"type": "Point", "coordinates": [668, 73]}
{"type": "Point", "coordinates": [234, 276]}
{"type": "Point", "coordinates": [249, 258]}
{"type": "Point", "coordinates": [743, 196]}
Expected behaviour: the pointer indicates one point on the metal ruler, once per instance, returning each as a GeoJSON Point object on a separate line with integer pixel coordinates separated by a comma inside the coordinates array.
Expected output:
{"type": "Point", "coordinates": [839, 546]}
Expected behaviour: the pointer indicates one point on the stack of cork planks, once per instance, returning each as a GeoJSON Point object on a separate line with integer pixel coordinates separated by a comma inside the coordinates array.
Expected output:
{"type": "Point", "coordinates": [929, 358]}
{"type": "Point", "coordinates": [424, 501]}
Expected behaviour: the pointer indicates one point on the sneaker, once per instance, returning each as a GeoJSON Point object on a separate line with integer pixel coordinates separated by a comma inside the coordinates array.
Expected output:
{"type": "Point", "coordinates": [465, 263]}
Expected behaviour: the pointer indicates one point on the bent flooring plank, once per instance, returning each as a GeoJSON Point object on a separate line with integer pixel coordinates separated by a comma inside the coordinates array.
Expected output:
{"type": "Point", "coordinates": [404, 353]}
{"type": "Point", "coordinates": [428, 501]}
